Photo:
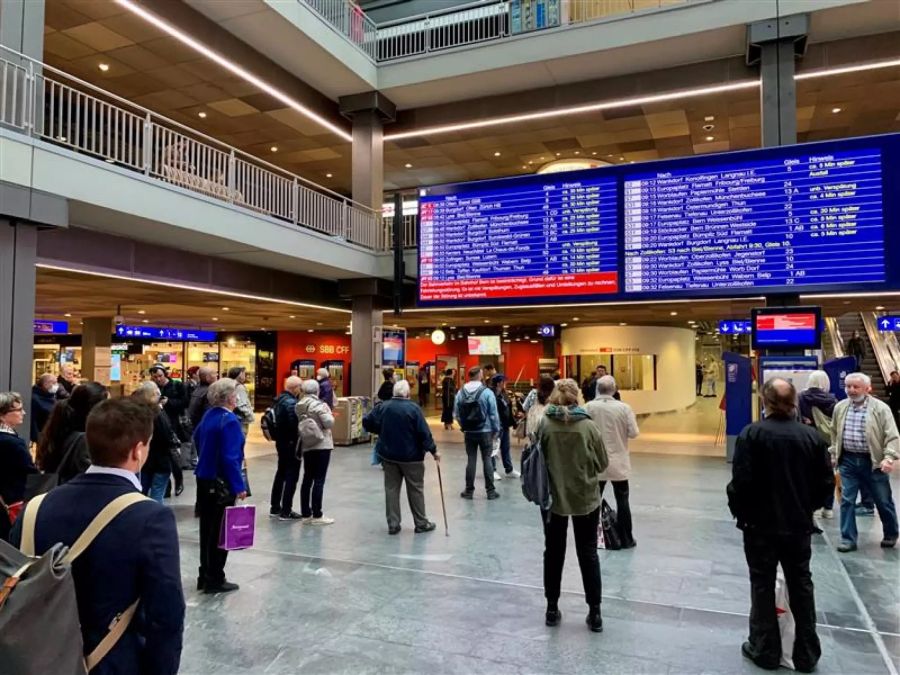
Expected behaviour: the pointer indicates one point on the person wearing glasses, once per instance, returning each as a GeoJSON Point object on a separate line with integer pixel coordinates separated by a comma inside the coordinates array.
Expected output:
{"type": "Point", "coordinates": [15, 460]}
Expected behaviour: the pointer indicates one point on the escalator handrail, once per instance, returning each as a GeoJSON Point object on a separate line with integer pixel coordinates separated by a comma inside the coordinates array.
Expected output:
{"type": "Point", "coordinates": [883, 356]}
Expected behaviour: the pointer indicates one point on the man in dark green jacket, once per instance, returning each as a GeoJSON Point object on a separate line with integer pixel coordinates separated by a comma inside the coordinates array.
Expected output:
{"type": "Point", "coordinates": [403, 440]}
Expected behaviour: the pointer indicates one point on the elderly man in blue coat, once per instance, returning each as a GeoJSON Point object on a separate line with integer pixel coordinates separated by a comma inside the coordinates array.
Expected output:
{"type": "Point", "coordinates": [403, 440]}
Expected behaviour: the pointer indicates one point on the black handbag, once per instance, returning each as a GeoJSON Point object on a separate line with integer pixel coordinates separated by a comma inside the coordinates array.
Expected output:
{"type": "Point", "coordinates": [610, 524]}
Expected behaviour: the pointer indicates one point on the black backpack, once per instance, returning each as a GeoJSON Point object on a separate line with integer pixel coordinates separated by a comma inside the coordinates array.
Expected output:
{"type": "Point", "coordinates": [268, 424]}
{"type": "Point", "coordinates": [471, 415]}
{"type": "Point", "coordinates": [535, 477]}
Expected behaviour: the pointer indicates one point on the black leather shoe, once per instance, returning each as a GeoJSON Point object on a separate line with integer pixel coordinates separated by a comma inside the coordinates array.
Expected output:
{"type": "Point", "coordinates": [552, 617]}
{"type": "Point", "coordinates": [493, 494]}
{"type": "Point", "coordinates": [747, 651]}
{"type": "Point", "coordinates": [224, 587]}
{"type": "Point", "coordinates": [465, 494]}
{"type": "Point", "coordinates": [594, 620]}
{"type": "Point", "coordinates": [425, 528]}
{"type": "Point", "coordinates": [290, 515]}
{"type": "Point", "coordinates": [394, 530]}
{"type": "Point", "coordinates": [889, 542]}
{"type": "Point", "coordinates": [179, 489]}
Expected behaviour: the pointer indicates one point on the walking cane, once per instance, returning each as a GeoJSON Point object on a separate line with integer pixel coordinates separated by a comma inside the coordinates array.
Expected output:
{"type": "Point", "coordinates": [443, 504]}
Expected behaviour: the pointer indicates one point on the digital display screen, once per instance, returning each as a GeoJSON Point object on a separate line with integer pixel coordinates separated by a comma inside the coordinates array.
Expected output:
{"type": "Point", "coordinates": [795, 220]}
{"type": "Point", "coordinates": [484, 344]}
{"type": "Point", "coordinates": [115, 367]}
{"type": "Point", "coordinates": [521, 238]}
{"type": "Point", "coordinates": [787, 328]}
{"type": "Point", "coordinates": [392, 348]}
{"type": "Point", "coordinates": [806, 218]}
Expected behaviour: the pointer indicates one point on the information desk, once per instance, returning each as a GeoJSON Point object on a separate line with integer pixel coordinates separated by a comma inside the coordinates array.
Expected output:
{"type": "Point", "coordinates": [772, 222]}
{"type": "Point", "coordinates": [540, 236]}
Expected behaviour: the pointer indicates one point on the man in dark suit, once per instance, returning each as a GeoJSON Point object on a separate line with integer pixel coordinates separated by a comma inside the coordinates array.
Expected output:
{"type": "Point", "coordinates": [781, 474]}
{"type": "Point", "coordinates": [135, 557]}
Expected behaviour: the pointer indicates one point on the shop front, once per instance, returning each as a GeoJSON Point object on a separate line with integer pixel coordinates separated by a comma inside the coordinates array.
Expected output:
{"type": "Point", "coordinates": [302, 353]}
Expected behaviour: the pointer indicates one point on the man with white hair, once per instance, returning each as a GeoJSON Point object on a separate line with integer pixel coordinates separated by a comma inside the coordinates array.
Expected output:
{"type": "Point", "coordinates": [403, 440]}
{"type": "Point", "coordinates": [286, 441]}
{"type": "Point", "coordinates": [617, 423]}
{"type": "Point", "coordinates": [866, 445]}
{"type": "Point", "coordinates": [315, 424]}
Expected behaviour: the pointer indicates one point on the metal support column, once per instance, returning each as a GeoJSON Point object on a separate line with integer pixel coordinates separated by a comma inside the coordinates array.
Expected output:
{"type": "Point", "coordinates": [18, 254]}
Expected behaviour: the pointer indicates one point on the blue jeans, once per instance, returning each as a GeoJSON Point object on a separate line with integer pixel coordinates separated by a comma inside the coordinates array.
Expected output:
{"type": "Point", "coordinates": [856, 471]}
{"type": "Point", "coordinates": [505, 455]}
{"type": "Point", "coordinates": [156, 489]}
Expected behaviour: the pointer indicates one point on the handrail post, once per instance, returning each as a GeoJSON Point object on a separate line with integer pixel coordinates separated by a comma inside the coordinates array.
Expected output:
{"type": "Point", "coordinates": [295, 202]}
{"type": "Point", "coordinates": [345, 217]}
{"type": "Point", "coordinates": [147, 142]}
{"type": "Point", "coordinates": [427, 43]}
{"type": "Point", "coordinates": [29, 117]}
{"type": "Point", "coordinates": [231, 177]}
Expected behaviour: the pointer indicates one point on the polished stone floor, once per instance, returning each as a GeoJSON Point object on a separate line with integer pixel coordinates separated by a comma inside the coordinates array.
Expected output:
{"type": "Point", "coordinates": [350, 599]}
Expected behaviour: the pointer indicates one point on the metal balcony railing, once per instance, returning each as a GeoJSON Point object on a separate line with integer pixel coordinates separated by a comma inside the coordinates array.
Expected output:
{"type": "Point", "coordinates": [470, 24]}
{"type": "Point", "coordinates": [409, 231]}
{"type": "Point", "coordinates": [82, 117]}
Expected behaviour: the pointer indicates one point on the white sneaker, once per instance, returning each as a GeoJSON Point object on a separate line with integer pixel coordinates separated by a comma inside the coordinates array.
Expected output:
{"type": "Point", "coordinates": [513, 474]}
{"type": "Point", "coordinates": [818, 513]}
{"type": "Point", "coordinates": [828, 513]}
{"type": "Point", "coordinates": [497, 476]}
{"type": "Point", "coordinates": [320, 521]}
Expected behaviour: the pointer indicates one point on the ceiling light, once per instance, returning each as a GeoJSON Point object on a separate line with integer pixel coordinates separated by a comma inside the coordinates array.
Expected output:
{"type": "Point", "coordinates": [234, 68]}
{"type": "Point", "coordinates": [141, 311]}
{"type": "Point", "coordinates": [104, 67]}
{"type": "Point", "coordinates": [292, 317]}
{"type": "Point", "coordinates": [593, 153]}
{"type": "Point", "coordinates": [226, 309]}
{"type": "Point", "coordinates": [215, 318]}
{"type": "Point", "coordinates": [563, 325]}
{"type": "Point", "coordinates": [575, 318]}
{"type": "Point", "coordinates": [274, 148]}
{"type": "Point", "coordinates": [524, 167]}
{"type": "Point", "coordinates": [144, 321]}
{"type": "Point", "coordinates": [452, 327]}
{"type": "Point", "coordinates": [318, 323]}
{"type": "Point", "coordinates": [621, 159]}
{"type": "Point", "coordinates": [201, 115]}
{"type": "Point", "coordinates": [496, 154]}
{"type": "Point", "coordinates": [408, 165]}
{"type": "Point", "coordinates": [844, 70]}
{"type": "Point", "coordinates": [557, 154]}
{"type": "Point", "coordinates": [709, 118]}
{"type": "Point", "coordinates": [673, 313]}
{"type": "Point", "coordinates": [709, 127]}
{"type": "Point", "coordinates": [835, 111]}
{"type": "Point", "coordinates": [622, 323]}
{"type": "Point", "coordinates": [879, 308]}
{"type": "Point", "coordinates": [506, 325]}
{"type": "Point", "coordinates": [67, 314]}
{"type": "Point", "coordinates": [710, 139]}
{"type": "Point", "coordinates": [487, 320]}
{"type": "Point", "coordinates": [329, 175]}
{"type": "Point", "coordinates": [309, 330]}
{"type": "Point", "coordinates": [577, 152]}
{"type": "Point", "coordinates": [438, 337]}
{"type": "Point", "coordinates": [534, 342]}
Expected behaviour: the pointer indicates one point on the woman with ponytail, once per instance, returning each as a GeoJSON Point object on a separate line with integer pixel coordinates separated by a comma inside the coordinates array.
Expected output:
{"type": "Point", "coordinates": [62, 448]}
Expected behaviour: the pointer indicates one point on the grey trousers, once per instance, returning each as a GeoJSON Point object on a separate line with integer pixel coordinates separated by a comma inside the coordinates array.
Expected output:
{"type": "Point", "coordinates": [414, 473]}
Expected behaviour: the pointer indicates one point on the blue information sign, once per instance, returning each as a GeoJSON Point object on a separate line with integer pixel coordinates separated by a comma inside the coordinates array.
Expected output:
{"type": "Point", "coordinates": [794, 220]}
{"type": "Point", "coordinates": [50, 327]}
{"type": "Point", "coordinates": [156, 333]}
{"type": "Point", "coordinates": [735, 327]}
{"type": "Point", "coordinates": [547, 330]}
{"type": "Point", "coordinates": [889, 323]}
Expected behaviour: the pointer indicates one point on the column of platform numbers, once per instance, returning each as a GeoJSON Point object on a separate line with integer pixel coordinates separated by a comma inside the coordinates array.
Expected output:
{"type": "Point", "coordinates": [426, 240]}
{"type": "Point", "coordinates": [634, 230]}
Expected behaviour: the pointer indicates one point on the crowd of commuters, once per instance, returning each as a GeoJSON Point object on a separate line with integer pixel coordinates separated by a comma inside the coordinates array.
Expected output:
{"type": "Point", "coordinates": [90, 450]}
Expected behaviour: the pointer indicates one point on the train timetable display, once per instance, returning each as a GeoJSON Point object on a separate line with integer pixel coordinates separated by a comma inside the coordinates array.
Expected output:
{"type": "Point", "coordinates": [797, 220]}
{"type": "Point", "coordinates": [525, 238]}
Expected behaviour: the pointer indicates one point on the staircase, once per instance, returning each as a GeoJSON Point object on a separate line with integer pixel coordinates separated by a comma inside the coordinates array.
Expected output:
{"type": "Point", "coordinates": [853, 322]}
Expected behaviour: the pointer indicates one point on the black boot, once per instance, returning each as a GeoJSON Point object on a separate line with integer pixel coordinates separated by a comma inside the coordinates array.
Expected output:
{"type": "Point", "coordinates": [594, 620]}
{"type": "Point", "coordinates": [553, 615]}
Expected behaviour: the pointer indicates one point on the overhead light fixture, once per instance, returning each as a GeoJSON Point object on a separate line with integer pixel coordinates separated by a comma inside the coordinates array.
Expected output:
{"type": "Point", "coordinates": [141, 311]}
{"type": "Point", "coordinates": [274, 148]}
{"type": "Point", "coordinates": [835, 111]}
{"type": "Point", "coordinates": [234, 68]}
{"type": "Point", "coordinates": [879, 308]}
{"type": "Point", "coordinates": [318, 323]}
{"type": "Point", "coordinates": [67, 314]}
{"type": "Point", "coordinates": [104, 67]}
{"type": "Point", "coordinates": [438, 336]}
{"type": "Point", "coordinates": [709, 118]}
{"type": "Point", "coordinates": [487, 320]}
{"type": "Point", "coordinates": [673, 313]}
{"type": "Point", "coordinates": [226, 309]}
{"type": "Point", "coordinates": [144, 321]}
{"type": "Point", "coordinates": [557, 154]}
{"type": "Point", "coordinates": [496, 154]}
{"type": "Point", "coordinates": [292, 317]}
{"type": "Point", "coordinates": [408, 165]}
{"type": "Point", "coordinates": [329, 175]}
{"type": "Point", "coordinates": [575, 318]}
{"type": "Point", "coordinates": [563, 325]}
{"type": "Point", "coordinates": [622, 323]}
{"type": "Point", "coordinates": [633, 101]}
{"type": "Point", "coordinates": [709, 127]}
{"type": "Point", "coordinates": [593, 153]}
{"type": "Point", "coordinates": [309, 330]}
{"type": "Point", "coordinates": [215, 318]}
{"type": "Point", "coordinates": [201, 115]}
{"type": "Point", "coordinates": [710, 139]}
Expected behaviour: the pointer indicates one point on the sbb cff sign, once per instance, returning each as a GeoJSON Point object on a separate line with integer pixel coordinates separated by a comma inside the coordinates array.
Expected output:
{"type": "Point", "coordinates": [328, 349]}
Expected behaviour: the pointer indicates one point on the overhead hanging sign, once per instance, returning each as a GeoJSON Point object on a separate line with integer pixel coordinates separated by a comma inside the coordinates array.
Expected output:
{"type": "Point", "coordinates": [889, 323]}
{"type": "Point", "coordinates": [42, 327]}
{"type": "Point", "coordinates": [735, 327]}
{"type": "Point", "coordinates": [157, 333]}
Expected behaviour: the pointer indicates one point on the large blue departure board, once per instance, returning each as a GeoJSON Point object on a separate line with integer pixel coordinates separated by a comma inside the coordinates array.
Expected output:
{"type": "Point", "coordinates": [778, 221]}
{"type": "Point", "coordinates": [817, 217]}
{"type": "Point", "coordinates": [544, 236]}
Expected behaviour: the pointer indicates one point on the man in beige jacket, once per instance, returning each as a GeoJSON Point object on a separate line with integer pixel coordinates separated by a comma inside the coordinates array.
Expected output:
{"type": "Point", "coordinates": [866, 446]}
{"type": "Point", "coordinates": [617, 424]}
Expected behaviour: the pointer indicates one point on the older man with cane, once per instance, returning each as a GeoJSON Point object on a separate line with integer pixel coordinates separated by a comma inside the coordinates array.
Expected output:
{"type": "Point", "coordinates": [403, 440]}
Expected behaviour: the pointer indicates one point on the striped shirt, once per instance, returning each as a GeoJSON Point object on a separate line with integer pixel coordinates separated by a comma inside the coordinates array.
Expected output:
{"type": "Point", "coordinates": [855, 428]}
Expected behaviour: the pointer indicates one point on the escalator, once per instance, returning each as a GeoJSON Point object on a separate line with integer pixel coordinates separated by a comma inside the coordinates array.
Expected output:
{"type": "Point", "coordinates": [877, 362]}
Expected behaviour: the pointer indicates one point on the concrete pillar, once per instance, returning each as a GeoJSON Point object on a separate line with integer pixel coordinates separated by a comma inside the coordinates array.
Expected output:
{"type": "Point", "coordinates": [774, 45]}
{"type": "Point", "coordinates": [368, 112]}
{"type": "Point", "coordinates": [96, 340]}
{"type": "Point", "coordinates": [22, 27]}
{"type": "Point", "coordinates": [18, 253]}
{"type": "Point", "coordinates": [365, 317]}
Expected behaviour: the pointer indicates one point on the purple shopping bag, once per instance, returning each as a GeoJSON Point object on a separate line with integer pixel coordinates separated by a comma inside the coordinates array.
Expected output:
{"type": "Point", "coordinates": [238, 527]}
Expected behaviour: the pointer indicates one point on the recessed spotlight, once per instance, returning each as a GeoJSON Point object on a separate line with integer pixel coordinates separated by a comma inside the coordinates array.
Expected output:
{"type": "Point", "coordinates": [506, 325]}
{"type": "Point", "coordinates": [201, 115]}
{"type": "Point", "coordinates": [710, 139]}
{"type": "Point", "coordinates": [557, 154]}
{"type": "Point", "coordinates": [575, 318]}
{"type": "Point", "coordinates": [709, 118]}
{"type": "Point", "coordinates": [673, 313]}
{"type": "Point", "coordinates": [103, 67]}
{"type": "Point", "coordinates": [578, 152]}
{"type": "Point", "coordinates": [215, 318]}
{"type": "Point", "coordinates": [144, 321]}
{"type": "Point", "coordinates": [563, 325]}
{"type": "Point", "coordinates": [530, 162]}
{"type": "Point", "coordinates": [226, 309]}
{"type": "Point", "coordinates": [524, 167]}
{"type": "Point", "coordinates": [292, 317]}
{"type": "Point", "coordinates": [835, 111]}
{"type": "Point", "coordinates": [309, 330]}
{"type": "Point", "coordinates": [593, 153]}
{"type": "Point", "coordinates": [274, 148]}
{"type": "Point", "coordinates": [408, 165]}
{"type": "Point", "coordinates": [496, 154]}
{"type": "Point", "coordinates": [709, 127]}
{"type": "Point", "coordinates": [141, 311]}
{"type": "Point", "coordinates": [318, 323]}
{"type": "Point", "coordinates": [487, 320]}
{"type": "Point", "coordinates": [879, 308]}
{"type": "Point", "coordinates": [329, 175]}
{"type": "Point", "coordinates": [67, 314]}
{"type": "Point", "coordinates": [622, 323]}
{"type": "Point", "coordinates": [534, 342]}
{"type": "Point", "coordinates": [452, 327]}
{"type": "Point", "coordinates": [621, 159]}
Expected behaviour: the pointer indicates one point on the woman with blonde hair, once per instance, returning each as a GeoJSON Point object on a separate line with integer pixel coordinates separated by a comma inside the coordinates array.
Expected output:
{"type": "Point", "coordinates": [575, 456]}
